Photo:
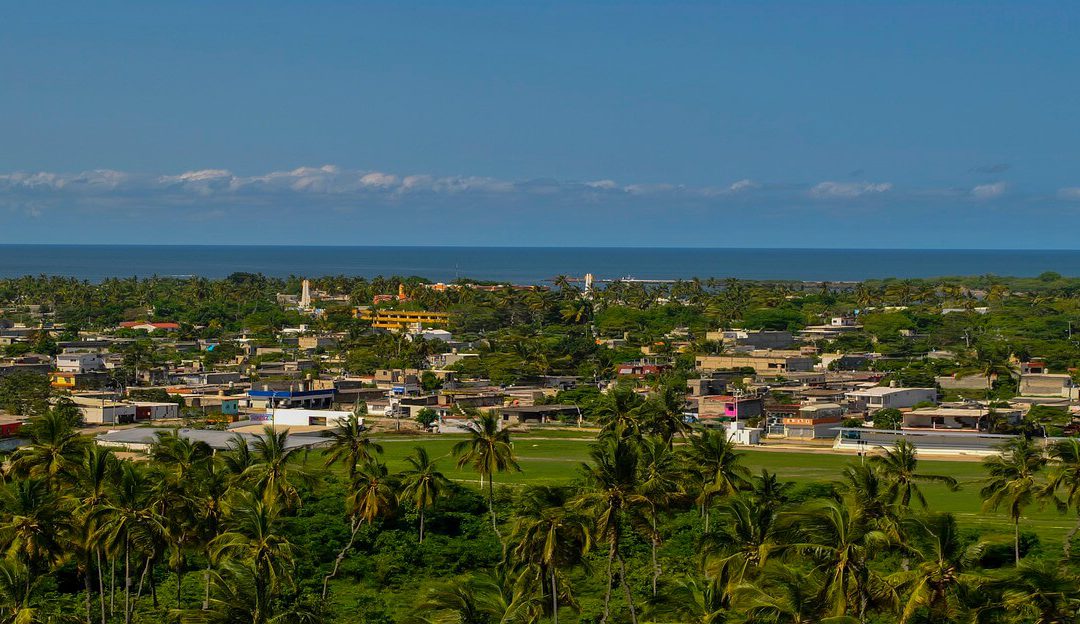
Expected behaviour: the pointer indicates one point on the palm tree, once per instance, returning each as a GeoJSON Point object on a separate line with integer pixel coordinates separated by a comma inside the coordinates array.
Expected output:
{"type": "Point", "coordinates": [618, 412]}
{"type": "Point", "coordinates": [941, 576]}
{"type": "Point", "coordinates": [696, 602]}
{"type": "Point", "coordinates": [660, 484]}
{"type": "Point", "coordinates": [787, 595]}
{"type": "Point", "coordinates": [611, 481]}
{"type": "Point", "coordinates": [252, 539]}
{"type": "Point", "coordinates": [127, 519]}
{"type": "Point", "coordinates": [422, 483]}
{"type": "Point", "coordinates": [1013, 481]}
{"type": "Point", "coordinates": [182, 455]}
{"type": "Point", "coordinates": [371, 496]}
{"type": "Point", "coordinates": [489, 450]}
{"type": "Point", "coordinates": [549, 538]}
{"type": "Point", "coordinates": [55, 447]}
{"type": "Point", "coordinates": [839, 539]}
{"type": "Point", "coordinates": [717, 468]}
{"type": "Point", "coordinates": [18, 588]}
{"type": "Point", "coordinates": [35, 521]}
{"type": "Point", "coordinates": [477, 599]}
{"type": "Point", "coordinates": [1039, 591]}
{"type": "Point", "coordinates": [745, 541]}
{"type": "Point", "coordinates": [1064, 477]}
{"type": "Point", "coordinates": [272, 474]}
{"type": "Point", "coordinates": [989, 362]}
{"type": "Point", "coordinates": [350, 445]}
{"type": "Point", "coordinates": [94, 477]}
{"type": "Point", "coordinates": [899, 467]}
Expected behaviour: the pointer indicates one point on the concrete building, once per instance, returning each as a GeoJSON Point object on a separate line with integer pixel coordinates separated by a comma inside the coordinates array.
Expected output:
{"type": "Point", "coordinates": [284, 417]}
{"type": "Point", "coordinates": [151, 410]}
{"type": "Point", "coordinates": [729, 407]}
{"type": "Point", "coordinates": [537, 413]}
{"type": "Point", "coordinates": [402, 319]}
{"type": "Point", "coordinates": [761, 361]}
{"type": "Point", "coordinates": [754, 338]}
{"type": "Point", "coordinates": [299, 395]}
{"type": "Point", "coordinates": [837, 326]}
{"type": "Point", "coordinates": [814, 421]}
{"type": "Point", "coordinates": [970, 418]}
{"type": "Point", "coordinates": [1048, 385]}
{"type": "Point", "coordinates": [79, 362]}
{"type": "Point", "coordinates": [102, 411]}
{"type": "Point", "coordinates": [880, 397]}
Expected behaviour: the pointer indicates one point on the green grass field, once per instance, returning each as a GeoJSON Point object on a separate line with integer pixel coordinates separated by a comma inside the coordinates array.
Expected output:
{"type": "Point", "coordinates": [552, 461]}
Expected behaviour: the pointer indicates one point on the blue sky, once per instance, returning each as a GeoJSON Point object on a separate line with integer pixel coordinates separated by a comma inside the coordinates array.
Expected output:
{"type": "Point", "coordinates": [606, 123]}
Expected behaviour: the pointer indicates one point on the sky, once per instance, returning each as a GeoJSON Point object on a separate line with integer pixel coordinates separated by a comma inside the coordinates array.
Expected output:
{"type": "Point", "coordinates": [719, 124]}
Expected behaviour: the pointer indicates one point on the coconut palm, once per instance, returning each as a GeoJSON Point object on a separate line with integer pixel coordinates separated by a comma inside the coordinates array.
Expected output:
{"type": "Point", "coordinates": [350, 445]}
{"type": "Point", "coordinates": [182, 455]}
{"type": "Point", "coordinates": [717, 469]}
{"type": "Point", "coordinates": [942, 573]}
{"type": "Point", "coordinates": [695, 602]}
{"type": "Point", "coordinates": [838, 538]}
{"type": "Point", "coordinates": [619, 411]}
{"type": "Point", "coordinates": [422, 483]}
{"type": "Point", "coordinates": [253, 538]}
{"type": "Point", "coordinates": [273, 474]}
{"type": "Point", "coordinates": [786, 595]}
{"type": "Point", "coordinates": [34, 524]}
{"type": "Point", "coordinates": [743, 543]}
{"type": "Point", "coordinates": [610, 494]}
{"type": "Point", "coordinates": [549, 538]}
{"type": "Point", "coordinates": [127, 519]}
{"type": "Point", "coordinates": [371, 496]}
{"type": "Point", "coordinates": [54, 449]}
{"type": "Point", "coordinates": [899, 467]}
{"type": "Point", "coordinates": [488, 450]}
{"type": "Point", "coordinates": [1013, 481]}
{"type": "Point", "coordinates": [1064, 478]}
{"type": "Point", "coordinates": [989, 361]}
{"type": "Point", "coordinates": [660, 485]}
{"type": "Point", "coordinates": [1038, 591]}
{"type": "Point", "coordinates": [477, 599]}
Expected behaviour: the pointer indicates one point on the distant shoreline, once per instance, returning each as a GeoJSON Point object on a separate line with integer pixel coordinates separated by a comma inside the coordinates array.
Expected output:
{"type": "Point", "coordinates": [527, 265]}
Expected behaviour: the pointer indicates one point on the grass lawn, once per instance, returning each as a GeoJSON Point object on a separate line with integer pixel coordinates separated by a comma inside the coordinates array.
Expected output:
{"type": "Point", "coordinates": [546, 460]}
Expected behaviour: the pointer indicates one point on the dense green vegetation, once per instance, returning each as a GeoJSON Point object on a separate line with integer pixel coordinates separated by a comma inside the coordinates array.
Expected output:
{"type": "Point", "coordinates": [649, 522]}
{"type": "Point", "coordinates": [639, 524]}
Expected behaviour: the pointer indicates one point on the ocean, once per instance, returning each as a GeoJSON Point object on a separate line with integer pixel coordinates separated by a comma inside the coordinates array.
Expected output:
{"type": "Point", "coordinates": [525, 264]}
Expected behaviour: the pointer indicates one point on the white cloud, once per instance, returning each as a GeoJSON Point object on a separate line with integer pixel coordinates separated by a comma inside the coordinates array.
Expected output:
{"type": "Point", "coordinates": [988, 191]}
{"type": "Point", "coordinates": [1071, 193]}
{"type": "Point", "coordinates": [743, 185]}
{"type": "Point", "coordinates": [607, 185]}
{"type": "Point", "coordinates": [850, 189]}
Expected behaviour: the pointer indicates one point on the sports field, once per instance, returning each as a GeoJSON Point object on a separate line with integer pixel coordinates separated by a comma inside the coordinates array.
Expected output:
{"type": "Point", "coordinates": [548, 460]}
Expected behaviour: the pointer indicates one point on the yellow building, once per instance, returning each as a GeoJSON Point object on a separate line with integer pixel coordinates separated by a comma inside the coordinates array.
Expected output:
{"type": "Point", "coordinates": [65, 381]}
{"type": "Point", "coordinates": [402, 319]}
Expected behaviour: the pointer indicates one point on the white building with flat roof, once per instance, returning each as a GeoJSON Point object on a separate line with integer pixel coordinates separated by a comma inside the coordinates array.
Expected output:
{"type": "Point", "coordinates": [884, 397]}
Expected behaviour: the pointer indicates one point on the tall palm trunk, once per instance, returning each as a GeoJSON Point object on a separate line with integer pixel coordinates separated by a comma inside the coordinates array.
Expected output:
{"type": "Point", "coordinates": [421, 524]}
{"type": "Point", "coordinates": [491, 505]}
{"type": "Point", "coordinates": [127, 580]}
{"type": "Point", "coordinates": [612, 546]}
{"type": "Point", "coordinates": [655, 562]}
{"type": "Point", "coordinates": [1067, 546]}
{"type": "Point", "coordinates": [101, 584]}
{"type": "Point", "coordinates": [206, 583]}
{"type": "Point", "coordinates": [1016, 538]}
{"type": "Point", "coordinates": [88, 585]}
{"type": "Point", "coordinates": [626, 590]}
{"type": "Point", "coordinates": [356, 522]}
{"type": "Point", "coordinates": [554, 598]}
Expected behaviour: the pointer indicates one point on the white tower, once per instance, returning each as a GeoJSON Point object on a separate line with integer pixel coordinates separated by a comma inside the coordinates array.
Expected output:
{"type": "Point", "coordinates": [305, 295]}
